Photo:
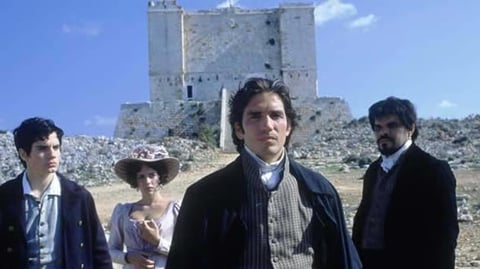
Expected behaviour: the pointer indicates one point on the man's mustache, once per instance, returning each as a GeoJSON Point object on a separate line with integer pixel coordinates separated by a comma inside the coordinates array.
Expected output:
{"type": "Point", "coordinates": [384, 137]}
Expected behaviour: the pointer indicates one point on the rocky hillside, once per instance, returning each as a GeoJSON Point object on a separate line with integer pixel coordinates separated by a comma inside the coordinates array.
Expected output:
{"type": "Point", "coordinates": [352, 145]}
{"type": "Point", "coordinates": [346, 145]}
{"type": "Point", "coordinates": [337, 147]}
{"type": "Point", "coordinates": [90, 160]}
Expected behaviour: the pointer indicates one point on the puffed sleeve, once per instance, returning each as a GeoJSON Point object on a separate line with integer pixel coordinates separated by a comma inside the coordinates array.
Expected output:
{"type": "Point", "coordinates": [116, 239]}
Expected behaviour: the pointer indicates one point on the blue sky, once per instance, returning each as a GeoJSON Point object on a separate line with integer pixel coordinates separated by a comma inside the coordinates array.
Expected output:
{"type": "Point", "coordinates": [77, 61]}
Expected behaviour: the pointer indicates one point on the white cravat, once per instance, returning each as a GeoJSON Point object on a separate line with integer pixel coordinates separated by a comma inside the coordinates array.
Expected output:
{"type": "Point", "coordinates": [389, 161]}
{"type": "Point", "coordinates": [269, 172]}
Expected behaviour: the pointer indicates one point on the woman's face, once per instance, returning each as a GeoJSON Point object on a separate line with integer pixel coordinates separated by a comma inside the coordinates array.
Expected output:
{"type": "Point", "coordinates": [148, 179]}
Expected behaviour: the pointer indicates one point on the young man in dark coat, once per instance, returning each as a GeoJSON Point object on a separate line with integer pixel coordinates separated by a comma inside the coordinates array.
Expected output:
{"type": "Point", "coordinates": [263, 210]}
{"type": "Point", "coordinates": [407, 217]}
{"type": "Point", "coordinates": [46, 220]}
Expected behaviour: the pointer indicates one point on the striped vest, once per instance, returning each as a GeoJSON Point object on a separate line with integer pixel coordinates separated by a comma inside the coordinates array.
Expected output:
{"type": "Point", "coordinates": [279, 230]}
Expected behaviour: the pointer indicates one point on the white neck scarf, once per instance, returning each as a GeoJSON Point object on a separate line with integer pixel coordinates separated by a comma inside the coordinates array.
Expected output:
{"type": "Point", "coordinates": [389, 161]}
{"type": "Point", "coordinates": [269, 172]}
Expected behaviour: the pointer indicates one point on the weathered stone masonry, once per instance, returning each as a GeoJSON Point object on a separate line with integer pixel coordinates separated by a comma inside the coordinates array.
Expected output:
{"type": "Point", "coordinates": [197, 59]}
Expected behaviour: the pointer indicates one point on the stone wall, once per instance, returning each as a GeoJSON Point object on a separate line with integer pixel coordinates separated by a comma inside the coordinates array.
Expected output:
{"type": "Point", "coordinates": [154, 120]}
{"type": "Point", "coordinates": [315, 114]}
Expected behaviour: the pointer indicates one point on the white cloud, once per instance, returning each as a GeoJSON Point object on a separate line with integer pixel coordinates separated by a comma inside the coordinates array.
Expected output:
{"type": "Point", "coordinates": [86, 29]}
{"type": "Point", "coordinates": [101, 121]}
{"type": "Point", "coordinates": [227, 3]}
{"type": "Point", "coordinates": [363, 22]}
{"type": "Point", "coordinates": [333, 9]}
{"type": "Point", "coordinates": [446, 104]}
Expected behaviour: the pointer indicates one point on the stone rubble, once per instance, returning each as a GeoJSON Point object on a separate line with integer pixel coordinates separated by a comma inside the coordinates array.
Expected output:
{"type": "Point", "coordinates": [90, 160]}
{"type": "Point", "coordinates": [343, 146]}
{"type": "Point", "coordinates": [352, 143]}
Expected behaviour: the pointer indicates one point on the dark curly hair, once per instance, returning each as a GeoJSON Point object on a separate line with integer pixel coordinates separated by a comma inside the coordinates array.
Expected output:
{"type": "Point", "coordinates": [251, 87]}
{"type": "Point", "coordinates": [402, 108]}
{"type": "Point", "coordinates": [135, 167]}
{"type": "Point", "coordinates": [32, 130]}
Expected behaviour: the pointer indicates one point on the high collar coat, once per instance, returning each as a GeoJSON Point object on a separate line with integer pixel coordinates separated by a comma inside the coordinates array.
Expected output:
{"type": "Point", "coordinates": [421, 225]}
{"type": "Point", "coordinates": [84, 242]}
{"type": "Point", "coordinates": [210, 233]}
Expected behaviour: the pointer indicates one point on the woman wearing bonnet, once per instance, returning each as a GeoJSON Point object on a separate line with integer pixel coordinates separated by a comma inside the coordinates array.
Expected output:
{"type": "Point", "coordinates": [141, 232]}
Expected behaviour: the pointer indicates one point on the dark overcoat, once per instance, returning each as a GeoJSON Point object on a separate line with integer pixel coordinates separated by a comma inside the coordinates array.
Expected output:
{"type": "Point", "coordinates": [210, 233]}
{"type": "Point", "coordinates": [421, 225]}
{"type": "Point", "coordinates": [84, 242]}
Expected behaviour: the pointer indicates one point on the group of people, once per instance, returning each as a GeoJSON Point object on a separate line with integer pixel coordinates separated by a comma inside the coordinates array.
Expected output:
{"type": "Point", "coordinates": [263, 210]}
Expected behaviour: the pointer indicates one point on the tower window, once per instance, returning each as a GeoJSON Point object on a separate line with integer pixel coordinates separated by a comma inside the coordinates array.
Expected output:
{"type": "Point", "coordinates": [189, 92]}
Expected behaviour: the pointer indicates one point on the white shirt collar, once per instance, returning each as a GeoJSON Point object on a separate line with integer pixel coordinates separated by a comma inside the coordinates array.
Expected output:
{"type": "Point", "coordinates": [389, 161]}
{"type": "Point", "coordinates": [261, 162]}
{"type": "Point", "coordinates": [269, 172]}
{"type": "Point", "coordinates": [52, 189]}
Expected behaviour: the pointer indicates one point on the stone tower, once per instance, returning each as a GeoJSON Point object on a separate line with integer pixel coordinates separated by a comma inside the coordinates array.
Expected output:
{"type": "Point", "coordinates": [196, 60]}
{"type": "Point", "coordinates": [193, 55]}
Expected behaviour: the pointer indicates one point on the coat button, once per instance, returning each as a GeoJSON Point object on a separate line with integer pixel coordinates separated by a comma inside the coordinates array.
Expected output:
{"type": "Point", "coordinates": [11, 228]}
{"type": "Point", "coordinates": [82, 266]}
{"type": "Point", "coordinates": [81, 244]}
{"type": "Point", "coordinates": [80, 223]}
{"type": "Point", "coordinates": [9, 250]}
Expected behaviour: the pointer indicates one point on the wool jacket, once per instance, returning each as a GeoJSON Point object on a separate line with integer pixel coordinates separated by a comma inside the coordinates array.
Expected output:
{"type": "Point", "coordinates": [421, 227]}
{"type": "Point", "coordinates": [84, 242]}
{"type": "Point", "coordinates": [210, 232]}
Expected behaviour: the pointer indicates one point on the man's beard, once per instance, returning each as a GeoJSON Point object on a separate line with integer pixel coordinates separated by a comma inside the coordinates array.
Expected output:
{"type": "Point", "coordinates": [385, 148]}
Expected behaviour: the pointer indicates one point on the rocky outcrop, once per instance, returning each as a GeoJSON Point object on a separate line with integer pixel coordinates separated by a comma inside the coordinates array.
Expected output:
{"type": "Point", "coordinates": [344, 145]}
{"type": "Point", "coordinates": [90, 160]}
{"type": "Point", "coordinates": [352, 145]}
